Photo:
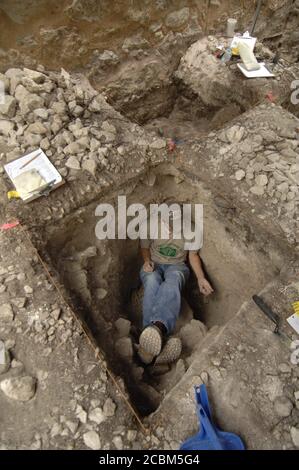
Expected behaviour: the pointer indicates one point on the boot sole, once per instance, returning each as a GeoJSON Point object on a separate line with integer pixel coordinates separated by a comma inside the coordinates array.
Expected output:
{"type": "Point", "coordinates": [171, 351]}
{"type": "Point", "coordinates": [151, 341]}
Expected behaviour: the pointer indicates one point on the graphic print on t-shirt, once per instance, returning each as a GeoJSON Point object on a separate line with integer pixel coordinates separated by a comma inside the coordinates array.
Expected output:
{"type": "Point", "coordinates": [168, 250]}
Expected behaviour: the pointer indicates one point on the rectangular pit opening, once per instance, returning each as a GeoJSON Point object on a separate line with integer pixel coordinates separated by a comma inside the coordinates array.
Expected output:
{"type": "Point", "coordinates": [102, 279]}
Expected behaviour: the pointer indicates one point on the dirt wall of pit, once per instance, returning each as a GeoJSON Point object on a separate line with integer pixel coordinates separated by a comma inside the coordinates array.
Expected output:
{"type": "Point", "coordinates": [100, 34]}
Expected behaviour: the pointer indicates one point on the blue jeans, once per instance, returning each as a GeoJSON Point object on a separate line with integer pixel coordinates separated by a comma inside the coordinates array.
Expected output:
{"type": "Point", "coordinates": [162, 293]}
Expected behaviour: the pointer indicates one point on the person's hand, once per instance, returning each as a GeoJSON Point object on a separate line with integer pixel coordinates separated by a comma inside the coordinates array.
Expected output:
{"type": "Point", "coordinates": [148, 267]}
{"type": "Point", "coordinates": [205, 287]}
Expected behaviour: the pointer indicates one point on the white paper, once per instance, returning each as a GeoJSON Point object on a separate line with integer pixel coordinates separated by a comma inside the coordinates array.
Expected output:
{"type": "Point", "coordinates": [41, 163]}
{"type": "Point", "coordinates": [263, 72]}
{"type": "Point", "coordinates": [293, 320]}
{"type": "Point", "coordinates": [248, 40]}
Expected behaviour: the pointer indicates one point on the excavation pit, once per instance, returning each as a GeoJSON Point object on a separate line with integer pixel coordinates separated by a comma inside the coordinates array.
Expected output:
{"type": "Point", "coordinates": [102, 280]}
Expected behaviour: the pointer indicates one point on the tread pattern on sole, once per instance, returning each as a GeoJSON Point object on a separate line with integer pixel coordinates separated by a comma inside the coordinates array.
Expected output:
{"type": "Point", "coordinates": [171, 351]}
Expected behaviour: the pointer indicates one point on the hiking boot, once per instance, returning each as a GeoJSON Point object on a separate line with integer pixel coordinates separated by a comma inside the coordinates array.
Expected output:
{"type": "Point", "coordinates": [150, 340]}
{"type": "Point", "coordinates": [144, 356]}
{"type": "Point", "coordinates": [170, 352]}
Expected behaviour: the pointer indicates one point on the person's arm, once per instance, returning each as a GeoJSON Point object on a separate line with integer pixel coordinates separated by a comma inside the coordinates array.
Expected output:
{"type": "Point", "coordinates": [203, 284]}
{"type": "Point", "coordinates": [148, 265]}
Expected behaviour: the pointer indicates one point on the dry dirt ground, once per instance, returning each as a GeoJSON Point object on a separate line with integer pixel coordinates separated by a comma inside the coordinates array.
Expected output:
{"type": "Point", "coordinates": [68, 318]}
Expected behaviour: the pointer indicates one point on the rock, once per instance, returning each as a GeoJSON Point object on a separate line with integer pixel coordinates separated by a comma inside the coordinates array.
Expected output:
{"type": "Point", "coordinates": [137, 373]}
{"type": "Point", "coordinates": [97, 415]}
{"type": "Point", "coordinates": [81, 414]}
{"type": "Point", "coordinates": [107, 58]}
{"type": "Point", "coordinates": [201, 71]}
{"type": "Point", "coordinates": [118, 442]}
{"type": "Point", "coordinates": [123, 327]}
{"type": "Point", "coordinates": [19, 302]}
{"type": "Point", "coordinates": [6, 127]}
{"type": "Point", "coordinates": [15, 76]}
{"type": "Point", "coordinates": [5, 82]}
{"type": "Point", "coordinates": [131, 435]}
{"type": "Point", "coordinates": [257, 190]}
{"type": "Point", "coordinates": [261, 180]}
{"type": "Point", "coordinates": [15, 364]}
{"type": "Point", "coordinates": [8, 107]}
{"type": "Point", "coordinates": [235, 134]}
{"type": "Point", "coordinates": [295, 436]}
{"type": "Point", "coordinates": [283, 187]}
{"type": "Point", "coordinates": [135, 42]}
{"type": "Point", "coordinates": [41, 113]}
{"type": "Point", "coordinates": [101, 293]}
{"type": "Point", "coordinates": [158, 144]}
{"type": "Point", "coordinates": [296, 395]}
{"type": "Point", "coordinates": [177, 19]}
{"type": "Point", "coordinates": [72, 148]}
{"type": "Point", "coordinates": [204, 377]}
{"type": "Point", "coordinates": [37, 128]}
{"type": "Point", "coordinates": [4, 358]}
{"type": "Point", "coordinates": [19, 388]}
{"type": "Point", "coordinates": [96, 105]}
{"type": "Point", "coordinates": [272, 387]}
{"type": "Point", "coordinates": [33, 87]}
{"type": "Point", "coordinates": [6, 313]}
{"type": "Point", "coordinates": [107, 127]}
{"type": "Point", "coordinates": [56, 430]}
{"type": "Point", "coordinates": [283, 406]}
{"type": "Point", "coordinates": [81, 10]}
{"type": "Point", "coordinates": [10, 343]}
{"type": "Point", "coordinates": [28, 289]}
{"type": "Point", "coordinates": [124, 348]}
{"type": "Point", "coordinates": [72, 426]}
{"type": "Point", "coordinates": [56, 313]}
{"type": "Point", "coordinates": [27, 101]}
{"type": "Point", "coordinates": [32, 140]}
{"type": "Point", "coordinates": [284, 368]}
{"type": "Point", "coordinates": [192, 334]}
{"type": "Point", "coordinates": [90, 166]}
{"type": "Point", "coordinates": [59, 107]}
{"type": "Point", "coordinates": [73, 163]}
{"type": "Point", "coordinates": [91, 439]}
{"type": "Point", "coordinates": [152, 395]}
{"type": "Point", "coordinates": [45, 144]}
{"type": "Point", "coordinates": [109, 408]}
{"type": "Point", "coordinates": [239, 175]}
{"type": "Point", "coordinates": [37, 77]}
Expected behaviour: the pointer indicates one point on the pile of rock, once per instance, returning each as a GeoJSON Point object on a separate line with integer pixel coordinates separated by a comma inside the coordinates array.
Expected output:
{"type": "Point", "coordinates": [216, 85]}
{"type": "Point", "coordinates": [266, 162]}
{"type": "Point", "coordinates": [68, 119]}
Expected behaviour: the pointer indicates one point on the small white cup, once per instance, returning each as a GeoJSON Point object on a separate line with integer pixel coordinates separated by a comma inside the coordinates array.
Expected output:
{"type": "Point", "coordinates": [231, 24]}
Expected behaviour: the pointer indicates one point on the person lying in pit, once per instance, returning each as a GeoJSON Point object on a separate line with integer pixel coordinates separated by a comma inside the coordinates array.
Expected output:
{"type": "Point", "coordinates": [164, 274]}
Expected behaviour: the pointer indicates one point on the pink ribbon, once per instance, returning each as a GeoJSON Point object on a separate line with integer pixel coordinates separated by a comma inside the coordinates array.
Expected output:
{"type": "Point", "coordinates": [9, 225]}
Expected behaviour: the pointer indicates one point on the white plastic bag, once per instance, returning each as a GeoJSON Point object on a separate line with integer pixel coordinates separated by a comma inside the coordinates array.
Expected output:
{"type": "Point", "coordinates": [248, 57]}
